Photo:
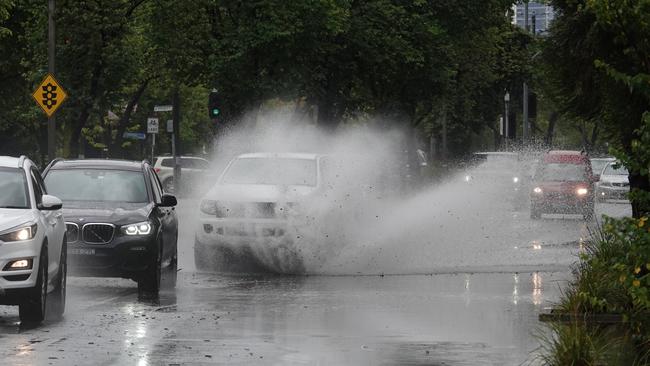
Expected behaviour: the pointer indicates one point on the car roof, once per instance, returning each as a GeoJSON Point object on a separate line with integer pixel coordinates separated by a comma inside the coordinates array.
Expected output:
{"type": "Point", "coordinates": [502, 153]}
{"type": "Point", "coordinates": [98, 163]}
{"type": "Point", "coordinates": [266, 155]}
{"type": "Point", "coordinates": [9, 162]}
{"type": "Point", "coordinates": [565, 156]}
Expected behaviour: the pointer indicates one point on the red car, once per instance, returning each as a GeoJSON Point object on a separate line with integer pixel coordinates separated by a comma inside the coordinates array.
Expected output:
{"type": "Point", "coordinates": [563, 183]}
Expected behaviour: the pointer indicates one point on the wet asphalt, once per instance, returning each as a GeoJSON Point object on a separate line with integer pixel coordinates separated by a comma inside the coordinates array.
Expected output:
{"type": "Point", "coordinates": [468, 316]}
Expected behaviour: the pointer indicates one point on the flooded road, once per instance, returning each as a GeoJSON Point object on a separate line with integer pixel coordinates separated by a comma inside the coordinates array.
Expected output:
{"type": "Point", "coordinates": [464, 319]}
{"type": "Point", "coordinates": [472, 315]}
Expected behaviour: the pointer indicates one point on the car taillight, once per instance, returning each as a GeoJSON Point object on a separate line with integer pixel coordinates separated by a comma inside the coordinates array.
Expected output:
{"type": "Point", "coordinates": [157, 170]}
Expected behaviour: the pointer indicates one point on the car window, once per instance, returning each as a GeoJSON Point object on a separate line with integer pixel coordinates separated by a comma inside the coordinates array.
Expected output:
{"type": "Point", "coordinates": [13, 189]}
{"type": "Point", "coordinates": [98, 185]}
{"type": "Point", "coordinates": [191, 163]}
{"type": "Point", "coordinates": [610, 170]}
{"type": "Point", "coordinates": [155, 186]}
{"type": "Point", "coordinates": [274, 171]}
{"type": "Point", "coordinates": [167, 162]}
{"type": "Point", "coordinates": [38, 188]}
{"type": "Point", "coordinates": [562, 172]}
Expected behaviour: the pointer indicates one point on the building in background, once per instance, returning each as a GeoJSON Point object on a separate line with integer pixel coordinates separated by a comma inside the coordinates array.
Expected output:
{"type": "Point", "coordinates": [540, 14]}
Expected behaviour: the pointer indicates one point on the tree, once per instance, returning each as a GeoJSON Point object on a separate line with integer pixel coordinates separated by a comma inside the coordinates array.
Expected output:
{"type": "Point", "coordinates": [598, 51]}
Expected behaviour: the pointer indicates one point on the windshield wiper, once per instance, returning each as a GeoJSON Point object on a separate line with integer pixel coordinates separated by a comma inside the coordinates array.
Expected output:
{"type": "Point", "coordinates": [16, 207]}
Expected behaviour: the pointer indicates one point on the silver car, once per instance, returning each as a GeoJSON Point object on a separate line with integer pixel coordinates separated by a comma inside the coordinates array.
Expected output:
{"type": "Point", "coordinates": [33, 258]}
{"type": "Point", "coordinates": [614, 183]}
{"type": "Point", "coordinates": [250, 205]}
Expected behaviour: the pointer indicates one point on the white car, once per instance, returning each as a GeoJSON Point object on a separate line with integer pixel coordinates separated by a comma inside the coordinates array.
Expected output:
{"type": "Point", "coordinates": [33, 258]}
{"type": "Point", "coordinates": [613, 184]}
{"type": "Point", "coordinates": [251, 202]}
{"type": "Point", "coordinates": [598, 164]}
{"type": "Point", "coordinates": [192, 170]}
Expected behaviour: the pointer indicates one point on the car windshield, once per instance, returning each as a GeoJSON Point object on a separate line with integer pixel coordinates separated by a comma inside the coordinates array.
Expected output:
{"type": "Point", "coordinates": [597, 165]}
{"type": "Point", "coordinates": [13, 189]}
{"type": "Point", "coordinates": [610, 170]}
{"type": "Point", "coordinates": [557, 172]}
{"type": "Point", "coordinates": [97, 185]}
{"type": "Point", "coordinates": [273, 171]}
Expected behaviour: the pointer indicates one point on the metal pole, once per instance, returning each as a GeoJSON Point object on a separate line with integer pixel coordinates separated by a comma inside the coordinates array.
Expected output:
{"type": "Point", "coordinates": [507, 134]}
{"type": "Point", "coordinates": [176, 117]}
{"type": "Point", "coordinates": [153, 146]}
{"type": "Point", "coordinates": [525, 86]}
{"type": "Point", "coordinates": [51, 39]}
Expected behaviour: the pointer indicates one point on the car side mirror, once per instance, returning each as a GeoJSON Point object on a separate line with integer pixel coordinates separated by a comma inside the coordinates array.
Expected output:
{"type": "Point", "coordinates": [50, 203]}
{"type": "Point", "coordinates": [168, 200]}
{"type": "Point", "coordinates": [595, 178]}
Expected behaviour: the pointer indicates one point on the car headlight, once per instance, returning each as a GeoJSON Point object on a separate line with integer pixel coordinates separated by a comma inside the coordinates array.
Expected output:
{"type": "Point", "coordinates": [582, 191]}
{"type": "Point", "coordinates": [515, 180]}
{"type": "Point", "coordinates": [468, 178]}
{"type": "Point", "coordinates": [209, 207]}
{"type": "Point", "coordinates": [141, 228]}
{"type": "Point", "coordinates": [537, 190]}
{"type": "Point", "coordinates": [20, 234]}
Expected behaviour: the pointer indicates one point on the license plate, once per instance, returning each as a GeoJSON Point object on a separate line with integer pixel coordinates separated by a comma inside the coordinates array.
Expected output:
{"type": "Point", "coordinates": [81, 251]}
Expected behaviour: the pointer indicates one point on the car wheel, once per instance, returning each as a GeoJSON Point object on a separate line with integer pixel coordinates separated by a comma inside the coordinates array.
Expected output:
{"type": "Point", "coordinates": [171, 273]}
{"type": "Point", "coordinates": [149, 282]}
{"type": "Point", "coordinates": [535, 213]}
{"type": "Point", "coordinates": [201, 258]}
{"type": "Point", "coordinates": [168, 185]}
{"type": "Point", "coordinates": [58, 295]}
{"type": "Point", "coordinates": [32, 310]}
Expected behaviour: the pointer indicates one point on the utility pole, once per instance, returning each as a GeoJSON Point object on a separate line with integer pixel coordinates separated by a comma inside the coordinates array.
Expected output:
{"type": "Point", "coordinates": [176, 117]}
{"type": "Point", "coordinates": [51, 39]}
{"type": "Point", "coordinates": [506, 100]}
{"type": "Point", "coordinates": [525, 86]}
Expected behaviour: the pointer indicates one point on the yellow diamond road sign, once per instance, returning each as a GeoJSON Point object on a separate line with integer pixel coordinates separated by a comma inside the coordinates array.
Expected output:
{"type": "Point", "coordinates": [49, 95]}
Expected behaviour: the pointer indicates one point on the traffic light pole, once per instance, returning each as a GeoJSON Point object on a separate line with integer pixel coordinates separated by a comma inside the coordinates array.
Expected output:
{"type": "Point", "coordinates": [51, 39]}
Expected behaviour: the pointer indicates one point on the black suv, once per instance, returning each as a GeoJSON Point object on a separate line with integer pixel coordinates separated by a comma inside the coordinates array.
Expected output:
{"type": "Point", "coordinates": [119, 222]}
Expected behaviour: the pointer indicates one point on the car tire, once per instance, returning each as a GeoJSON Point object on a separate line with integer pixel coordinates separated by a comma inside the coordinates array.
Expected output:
{"type": "Point", "coordinates": [171, 273]}
{"type": "Point", "coordinates": [57, 297]}
{"type": "Point", "coordinates": [149, 282]}
{"type": "Point", "coordinates": [201, 257]}
{"type": "Point", "coordinates": [168, 185]}
{"type": "Point", "coordinates": [535, 213]}
{"type": "Point", "coordinates": [32, 310]}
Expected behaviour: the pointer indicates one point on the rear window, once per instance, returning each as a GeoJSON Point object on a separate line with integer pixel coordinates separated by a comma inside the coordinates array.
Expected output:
{"type": "Point", "coordinates": [561, 172]}
{"type": "Point", "coordinates": [610, 170]}
{"type": "Point", "coordinates": [97, 185]}
{"type": "Point", "coordinates": [168, 163]}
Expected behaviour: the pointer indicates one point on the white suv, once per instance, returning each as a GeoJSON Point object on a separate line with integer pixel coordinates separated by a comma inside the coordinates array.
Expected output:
{"type": "Point", "coordinates": [32, 242]}
{"type": "Point", "coordinates": [193, 170]}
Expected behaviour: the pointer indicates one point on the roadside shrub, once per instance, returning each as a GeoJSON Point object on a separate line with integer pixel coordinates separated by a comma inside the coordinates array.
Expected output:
{"type": "Point", "coordinates": [612, 277]}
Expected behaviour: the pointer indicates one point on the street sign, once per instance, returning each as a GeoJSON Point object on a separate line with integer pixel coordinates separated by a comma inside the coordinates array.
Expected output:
{"type": "Point", "coordinates": [49, 95]}
{"type": "Point", "coordinates": [170, 125]}
{"type": "Point", "coordinates": [134, 135]}
{"type": "Point", "coordinates": [152, 125]}
{"type": "Point", "coordinates": [163, 108]}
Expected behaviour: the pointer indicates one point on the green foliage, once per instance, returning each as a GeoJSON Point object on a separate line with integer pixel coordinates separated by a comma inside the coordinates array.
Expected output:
{"type": "Point", "coordinates": [580, 345]}
{"type": "Point", "coordinates": [613, 276]}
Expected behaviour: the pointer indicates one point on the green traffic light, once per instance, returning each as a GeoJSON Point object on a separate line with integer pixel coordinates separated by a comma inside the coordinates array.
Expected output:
{"type": "Point", "coordinates": [215, 111]}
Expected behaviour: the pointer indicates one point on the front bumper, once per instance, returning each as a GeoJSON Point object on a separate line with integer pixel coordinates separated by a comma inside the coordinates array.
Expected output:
{"type": "Point", "coordinates": [612, 193]}
{"type": "Point", "coordinates": [237, 231]}
{"type": "Point", "coordinates": [125, 256]}
{"type": "Point", "coordinates": [12, 282]}
{"type": "Point", "coordinates": [569, 204]}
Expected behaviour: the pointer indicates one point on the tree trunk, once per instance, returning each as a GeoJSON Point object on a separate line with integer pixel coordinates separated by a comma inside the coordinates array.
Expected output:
{"type": "Point", "coordinates": [552, 121]}
{"type": "Point", "coordinates": [115, 149]}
